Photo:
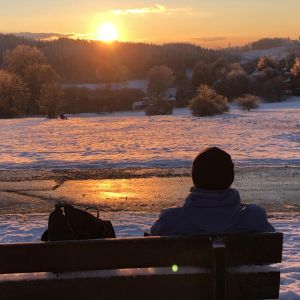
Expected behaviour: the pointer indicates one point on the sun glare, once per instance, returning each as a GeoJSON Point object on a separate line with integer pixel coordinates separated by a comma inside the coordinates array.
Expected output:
{"type": "Point", "coordinates": [107, 33]}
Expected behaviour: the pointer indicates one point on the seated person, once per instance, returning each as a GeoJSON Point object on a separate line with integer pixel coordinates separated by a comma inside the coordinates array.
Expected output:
{"type": "Point", "coordinates": [212, 206]}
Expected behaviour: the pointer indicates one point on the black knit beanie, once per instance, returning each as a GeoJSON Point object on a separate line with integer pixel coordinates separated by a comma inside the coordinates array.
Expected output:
{"type": "Point", "coordinates": [213, 169]}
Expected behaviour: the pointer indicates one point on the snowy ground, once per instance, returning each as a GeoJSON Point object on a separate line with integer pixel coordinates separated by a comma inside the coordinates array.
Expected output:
{"type": "Point", "coordinates": [269, 135]}
{"type": "Point", "coordinates": [277, 53]}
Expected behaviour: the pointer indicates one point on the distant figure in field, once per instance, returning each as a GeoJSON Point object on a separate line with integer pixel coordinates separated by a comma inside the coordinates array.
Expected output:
{"type": "Point", "coordinates": [63, 117]}
{"type": "Point", "coordinates": [212, 206]}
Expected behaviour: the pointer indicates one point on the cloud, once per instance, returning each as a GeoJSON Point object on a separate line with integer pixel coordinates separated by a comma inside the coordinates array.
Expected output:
{"type": "Point", "coordinates": [49, 36]}
{"type": "Point", "coordinates": [44, 35]}
{"type": "Point", "coordinates": [155, 9]}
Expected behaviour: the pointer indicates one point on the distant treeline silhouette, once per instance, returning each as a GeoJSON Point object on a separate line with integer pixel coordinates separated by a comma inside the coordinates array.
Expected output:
{"type": "Point", "coordinates": [78, 61]}
{"type": "Point", "coordinates": [33, 75]}
{"type": "Point", "coordinates": [268, 43]}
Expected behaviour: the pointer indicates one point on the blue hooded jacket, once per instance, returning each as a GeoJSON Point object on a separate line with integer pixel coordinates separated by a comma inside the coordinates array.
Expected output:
{"type": "Point", "coordinates": [212, 212]}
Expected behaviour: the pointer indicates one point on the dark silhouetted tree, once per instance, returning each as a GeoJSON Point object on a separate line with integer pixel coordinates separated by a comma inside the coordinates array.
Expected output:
{"type": "Point", "coordinates": [201, 74]}
{"type": "Point", "coordinates": [13, 95]}
{"type": "Point", "coordinates": [235, 83]}
{"type": "Point", "coordinates": [160, 79]}
{"type": "Point", "coordinates": [36, 76]}
{"type": "Point", "coordinates": [30, 64]}
{"type": "Point", "coordinates": [50, 100]}
{"type": "Point", "coordinates": [18, 59]}
{"type": "Point", "coordinates": [272, 89]}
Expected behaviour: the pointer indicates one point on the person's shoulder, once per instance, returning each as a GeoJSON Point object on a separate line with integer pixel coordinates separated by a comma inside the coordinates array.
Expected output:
{"type": "Point", "coordinates": [171, 212]}
{"type": "Point", "coordinates": [255, 218]}
{"type": "Point", "coordinates": [255, 209]}
{"type": "Point", "coordinates": [167, 222]}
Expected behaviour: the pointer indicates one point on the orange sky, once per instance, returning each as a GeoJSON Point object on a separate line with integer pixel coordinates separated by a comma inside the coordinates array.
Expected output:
{"type": "Point", "coordinates": [211, 23]}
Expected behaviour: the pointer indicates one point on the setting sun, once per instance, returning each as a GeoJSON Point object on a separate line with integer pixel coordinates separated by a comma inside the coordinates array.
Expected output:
{"type": "Point", "coordinates": [107, 32]}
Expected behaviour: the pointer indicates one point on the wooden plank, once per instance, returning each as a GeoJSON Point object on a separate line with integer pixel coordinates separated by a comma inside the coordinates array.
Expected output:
{"type": "Point", "coordinates": [173, 286]}
{"type": "Point", "coordinates": [253, 249]}
{"type": "Point", "coordinates": [253, 286]}
{"type": "Point", "coordinates": [105, 254]}
{"type": "Point", "coordinates": [219, 270]}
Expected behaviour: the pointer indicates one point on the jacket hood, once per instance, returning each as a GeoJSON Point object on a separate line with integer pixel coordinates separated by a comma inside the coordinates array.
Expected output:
{"type": "Point", "coordinates": [212, 211]}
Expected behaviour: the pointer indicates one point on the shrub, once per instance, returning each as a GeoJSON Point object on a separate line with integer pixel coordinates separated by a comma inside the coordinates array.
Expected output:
{"type": "Point", "coordinates": [208, 103]}
{"type": "Point", "coordinates": [159, 106]}
{"type": "Point", "coordinates": [248, 102]}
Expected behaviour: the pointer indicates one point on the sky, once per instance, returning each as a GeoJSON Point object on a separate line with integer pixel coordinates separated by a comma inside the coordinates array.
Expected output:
{"type": "Point", "coordinates": [211, 23]}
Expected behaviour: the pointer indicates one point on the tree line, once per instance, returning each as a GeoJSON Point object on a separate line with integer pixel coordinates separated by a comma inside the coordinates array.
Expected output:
{"type": "Point", "coordinates": [29, 85]}
{"type": "Point", "coordinates": [273, 80]}
{"type": "Point", "coordinates": [77, 61]}
{"type": "Point", "coordinates": [32, 75]}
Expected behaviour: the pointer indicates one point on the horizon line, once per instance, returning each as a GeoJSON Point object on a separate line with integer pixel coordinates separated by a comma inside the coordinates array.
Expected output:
{"type": "Point", "coordinates": [52, 36]}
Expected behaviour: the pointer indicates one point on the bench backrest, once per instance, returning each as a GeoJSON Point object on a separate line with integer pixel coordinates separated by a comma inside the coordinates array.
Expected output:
{"type": "Point", "coordinates": [215, 254]}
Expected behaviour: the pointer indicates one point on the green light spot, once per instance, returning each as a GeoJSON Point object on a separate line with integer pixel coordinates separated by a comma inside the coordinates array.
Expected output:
{"type": "Point", "coordinates": [174, 268]}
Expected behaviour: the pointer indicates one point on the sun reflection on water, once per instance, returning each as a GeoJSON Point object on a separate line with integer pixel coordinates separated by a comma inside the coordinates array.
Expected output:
{"type": "Point", "coordinates": [154, 194]}
{"type": "Point", "coordinates": [141, 194]}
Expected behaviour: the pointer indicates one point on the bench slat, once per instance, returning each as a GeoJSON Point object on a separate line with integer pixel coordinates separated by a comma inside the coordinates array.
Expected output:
{"type": "Point", "coordinates": [173, 286]}
{"type": "Point", "coordinates": [253, 249]}
{"type": "Point", "coordinates": [253, 285]}
{"type": "Point", "coordinates": [105, 254]}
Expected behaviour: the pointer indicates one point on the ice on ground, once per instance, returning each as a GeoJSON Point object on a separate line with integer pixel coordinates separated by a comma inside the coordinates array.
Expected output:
{"type": "Point", "coordinates": [26, 228]}
{"type": "Point", "coordinates": [269, 135]}
{"type": "Point", "coordinates": [276, 190]}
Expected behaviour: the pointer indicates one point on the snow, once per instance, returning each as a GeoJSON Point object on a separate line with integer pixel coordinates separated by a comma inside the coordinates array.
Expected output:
{"type": "Point", "coordinates": [269, 135]}
{"type": "Point", "coordinates": [139, 84]}
{"type": "Point", "coordinates": [277, 53]}
{"type": "Point", "coordinates": [26, 228]}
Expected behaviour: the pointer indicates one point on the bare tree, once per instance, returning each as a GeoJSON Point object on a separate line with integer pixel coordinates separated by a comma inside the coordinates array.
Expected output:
{"type": "Point", "coordinates": [13, 95]}
{"type": "Point", "coordinates": [18, 59]}
{"type": "Point", "coordinates": [30, 63]}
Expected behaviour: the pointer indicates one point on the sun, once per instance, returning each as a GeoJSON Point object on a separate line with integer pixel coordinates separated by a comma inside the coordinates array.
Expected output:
{"type": "Point", "coordinates": [107, 32]}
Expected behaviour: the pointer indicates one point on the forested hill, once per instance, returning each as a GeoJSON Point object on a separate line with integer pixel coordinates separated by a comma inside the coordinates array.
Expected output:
{"type": "Point", "coordinates": [78, 61]}
{"type": "Point", "coordinates": [92, 61]}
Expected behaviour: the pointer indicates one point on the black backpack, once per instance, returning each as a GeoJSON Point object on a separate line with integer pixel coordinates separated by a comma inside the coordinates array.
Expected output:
{"type": "Point", "coordinates": [69, 223]}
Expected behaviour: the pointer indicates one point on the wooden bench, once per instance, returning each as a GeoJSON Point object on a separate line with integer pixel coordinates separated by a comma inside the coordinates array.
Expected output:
{"type": "Point", "coordinates": [153, 268]}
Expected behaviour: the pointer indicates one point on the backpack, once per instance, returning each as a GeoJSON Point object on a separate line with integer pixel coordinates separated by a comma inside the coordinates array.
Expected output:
{"type": "Point", "coordinates": [69, 223]}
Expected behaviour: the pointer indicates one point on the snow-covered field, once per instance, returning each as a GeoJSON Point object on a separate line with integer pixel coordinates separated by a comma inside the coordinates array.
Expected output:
{"type": "Point", "coordinates": [269, 135]}
{"type": "Point", "coordinates": [277, 53]}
